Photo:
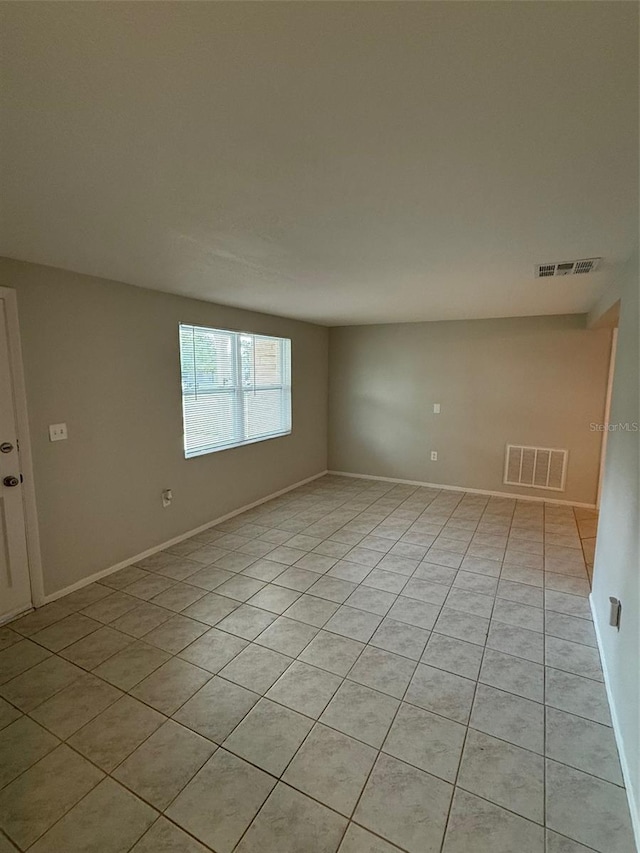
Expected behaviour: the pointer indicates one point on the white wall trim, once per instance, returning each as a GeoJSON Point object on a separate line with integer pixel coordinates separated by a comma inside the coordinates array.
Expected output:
{"type": "Point", "coordinates": [632, 795]}
{"type": "Point", "coordinates": [462, 489]}
{"type": "Point", "coordinates": [34, 557]}
{"type": "Point", "coordinates": [607, 412]}
{"type": "Point", "coordinates": [103, 573]}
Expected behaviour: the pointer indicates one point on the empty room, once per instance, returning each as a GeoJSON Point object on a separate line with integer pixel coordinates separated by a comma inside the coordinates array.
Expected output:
{"type": "Point", "coordinates": [319, 427]}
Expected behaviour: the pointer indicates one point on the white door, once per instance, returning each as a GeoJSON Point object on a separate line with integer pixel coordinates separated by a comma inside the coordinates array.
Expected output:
{"type": "Point", "coordinates": [15, 587]}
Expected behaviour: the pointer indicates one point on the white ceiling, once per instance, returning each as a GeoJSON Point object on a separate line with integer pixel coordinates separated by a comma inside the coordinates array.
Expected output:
{"type": "Point", "coordinates": [336, 162]}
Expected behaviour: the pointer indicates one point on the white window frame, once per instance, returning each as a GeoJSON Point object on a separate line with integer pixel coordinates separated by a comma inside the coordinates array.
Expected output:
{"type": "Point", "coordinates": [239, 390]}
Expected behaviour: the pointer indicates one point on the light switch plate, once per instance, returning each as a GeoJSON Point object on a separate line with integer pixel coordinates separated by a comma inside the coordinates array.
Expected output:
{"type": "Point", "coordinates": [436, 408]}
{"type": "Point", "coordinates": [57, 432]}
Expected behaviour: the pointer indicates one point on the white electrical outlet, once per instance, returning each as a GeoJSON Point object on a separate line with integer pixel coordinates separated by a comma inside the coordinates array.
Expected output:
{"type": "Point", "coordinates": [434, 455]}
{"type": "Point", "coordinates": [436, 408]}
{"type": "Point", "coordinates": [57, 432]}
{"type": "Point", "coordinates": [167, 497]}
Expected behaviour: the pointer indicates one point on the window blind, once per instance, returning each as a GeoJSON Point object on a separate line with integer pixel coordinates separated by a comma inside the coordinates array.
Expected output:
{"type": "Point", "coordinates": [236, 388]}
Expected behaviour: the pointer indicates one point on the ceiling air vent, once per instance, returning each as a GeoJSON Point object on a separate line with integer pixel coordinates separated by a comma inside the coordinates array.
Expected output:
{"type": "Point", "coordinates": [581, 267]}
{"type": "Point", "coordinates": [535, 467]}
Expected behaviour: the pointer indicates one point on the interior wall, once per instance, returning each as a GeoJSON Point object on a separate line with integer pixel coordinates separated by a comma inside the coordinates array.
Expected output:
{"type": "Point", "coordinates": [617, 558]}
{"type": "Point", "coordinates": [537, 381]}
{"type": "Point", "coordinates": [103, 357]}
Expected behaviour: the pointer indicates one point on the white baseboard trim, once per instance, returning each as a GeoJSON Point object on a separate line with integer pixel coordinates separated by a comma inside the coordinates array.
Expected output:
{"type": "Point", "coordinates": [632, 795]}
{"type": "Point", "coordinates": [103, 573]}
{"type": "Point", "coordinates": [463, 489]}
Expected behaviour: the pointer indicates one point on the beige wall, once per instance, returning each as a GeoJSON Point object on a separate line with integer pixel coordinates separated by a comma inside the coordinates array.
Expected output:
{"type": "Point", "coordinates": [617, 561]}
{"type": "Point", "coordinates": [103, 357]}
{"type": "Point", "coordinates": [537, 381]}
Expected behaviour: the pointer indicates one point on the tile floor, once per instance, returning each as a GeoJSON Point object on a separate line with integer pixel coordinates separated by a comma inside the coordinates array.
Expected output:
{"type": "Point", "coordinates": [355, 666]}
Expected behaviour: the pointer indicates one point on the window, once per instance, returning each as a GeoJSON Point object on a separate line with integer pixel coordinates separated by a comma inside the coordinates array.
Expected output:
{"type": "Point", "coordinates": [236, 388]}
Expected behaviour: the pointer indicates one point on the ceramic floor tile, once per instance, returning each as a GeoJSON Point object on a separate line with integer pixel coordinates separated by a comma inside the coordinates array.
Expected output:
{"type": "Point", "coordinates": [305, 688]}
{"type": "Point", "coordinates": [482, 827]}
{"type": "Point", "coordinates": [22, 743]}
{"type": "Point", "coordinates": [240, 587]}
{"type": "Point", "coordinates": [435, 574]}
{"type": "Point", "coordinates": [401, 638]}
{"type": "Point", "coordinates": [170, 685]}
{"type": "Point", "coordinates": [110, 608]}
{"type": "Point", "coordinates": [332, 652]}
{"type": "Point", "coordinates": [124, 577]}
{"type": "Point", "coordinates": [353, 572]}
{"type": "Point", "coordinates": [72, 707]}
{"type": "Point", "coordinates": [247, 622]}
{"type": "Point", "coordinates": [418, 613]}
{"type": "Point", "coordinates": [128, 667]}
{"type": "Point", "coordinates": [359, 840]}
{"type": "Point", "coordinates": [221, 800]}
{"type": "Point", "coordinates": [256, 668]}
{"type": "Point", "coordinates": [287, 636]}
{"type": "Point", "coordinates": [213, 650]}
{"type": "Point", "coordinates": [441, 692]}
{"type": "Point", "coordinates": [573, 657]}
{"type": "Point", "coordinates": [160, 767]}
{"type": "Point", "coordinates": [361, 712]}
{"type": "Point", "coordinates": [583, 744]}
{"type": "Point", "coordinates": [520, 615]}
{"type": "Point", "coordinates": [166, 837]}
{"type": "Point", "coordinates": [139, 621]}
{"type": "Point", "coordinates": [210, 577]}
{"type": "Point", "coordinates": [40, 796]}
{"type": "Point", "coordinates": [453, 655]}
{"type": "Point", "coordinates": [269, 736]}
{"type": "Point", "coordinates": [332, 768]}
{"type": "Point", "coordinates": [42, 617]}
{"type": "Point", "coordinates": [108, 812]}
{"type": "Point", "coordinates": [383, 671]}
{"type": "Point", "coordinates": [424, 590]}
{"type": "Point", "coordinates": [512, 718]}
{"type": "Point", "coordinates": [262, 570]}
{"type": "Point", "coordinates": [274, 599]}
{"type": "Point", "coordinates": [291, 822]}
{"type": "Point", "coordinates": [175, 634]}
{"type": "Point", "coordinates": [588, 810]}
{"type": "Point", "coordinates": [405, 805]}
{"type": "Point", "coordinates": [515, 675]}
{"type": "Point", "coordinates": [296, 578]}
{"type": "Point", "coordinates": [561, 844]}
{"type": "Point", "coordinates": [34, 686]}
{"type": "Point", "coordinates": [353, 623]}
{"type": "Point", "coordinates": [216, 709]}
{"type": "Point", "coordinates": [312, 611]}
{"type": "Point", "coordinates": [462, 626]}
{"type": "Point", "coordinates": [372, 600]}
{"type": "Point", "coordinates": [332, 589]}
{"type": "Point", "coordinates": [570, 628]}
{"type": "Point", "coordinates": [8, 713]}
{"type": "Point", "coordinates": [96, 648]}
{"type": "Point", "coordinates": [211, 608]}
{"type": "Point", "coordinates": [504, 774]}
{"type": "Point", "coordinates": [466, 601]}
{"type": "Point", "coordinates": [178, 597]}
{"type": "Point", "coordinates": [342, 581]}
{"type": "Point", "coordinates": [516, 641]}
{"type": "Point", "coordinates": [427, 741]}
{"type": "Point", "coordinates": [8, 637]}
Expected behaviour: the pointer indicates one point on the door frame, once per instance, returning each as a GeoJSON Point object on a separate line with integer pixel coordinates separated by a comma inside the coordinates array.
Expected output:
{"type": "Point", "coordinates": [16, 367]}
{"type": "Point", "coordinates": [607, 412]}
